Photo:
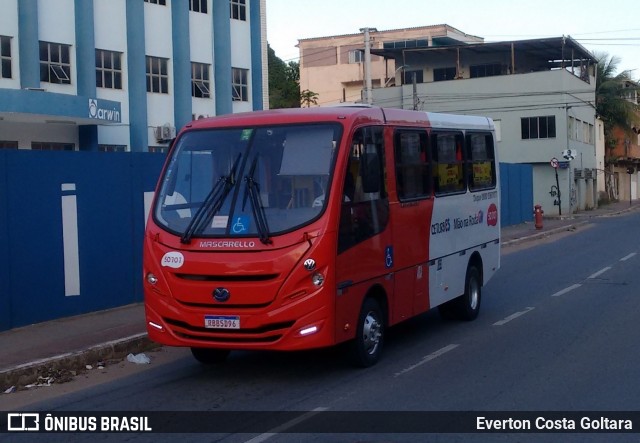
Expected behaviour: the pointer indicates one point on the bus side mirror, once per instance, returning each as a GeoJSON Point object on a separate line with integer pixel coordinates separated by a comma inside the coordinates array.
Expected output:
{"type": "Point", "coordinates": [370, 172]}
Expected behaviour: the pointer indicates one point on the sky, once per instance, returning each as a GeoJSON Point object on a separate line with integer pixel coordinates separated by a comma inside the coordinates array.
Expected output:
{"type": "Point", "coordinates": [601, 27]}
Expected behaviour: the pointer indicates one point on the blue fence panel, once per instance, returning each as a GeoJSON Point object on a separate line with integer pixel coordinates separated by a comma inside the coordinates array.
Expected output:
{"type": "Point", "coordinates": [74, 229]}
{"type": "Point", "coordinates": [5, 250]}
{"type": "Point", "coordinates": [516, 186]}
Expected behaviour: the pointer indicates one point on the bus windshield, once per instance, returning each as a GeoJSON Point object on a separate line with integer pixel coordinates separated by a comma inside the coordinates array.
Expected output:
{"type": "Point", "coordinates": [250, 181]}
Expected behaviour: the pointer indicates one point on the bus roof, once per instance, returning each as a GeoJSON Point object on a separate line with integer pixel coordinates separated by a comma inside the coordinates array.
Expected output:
{"type": "Point", "coordinates": [353, 113]}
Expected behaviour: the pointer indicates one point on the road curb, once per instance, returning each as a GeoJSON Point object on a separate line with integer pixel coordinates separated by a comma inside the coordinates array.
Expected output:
{"type": "Point", "coordinates": [28, 373]}
{"type": "Point", "coordinates": [544, 234]}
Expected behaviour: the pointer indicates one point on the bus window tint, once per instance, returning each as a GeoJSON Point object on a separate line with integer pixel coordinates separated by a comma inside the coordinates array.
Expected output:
{"type": "Point", "coordinates": [480, 157]}
{"type": "Point", "coordinates": [412, 166]}
{"type": "Point", "coordinates": [448, 163]}
{"type": "Point", "coordinates": [364, 214]}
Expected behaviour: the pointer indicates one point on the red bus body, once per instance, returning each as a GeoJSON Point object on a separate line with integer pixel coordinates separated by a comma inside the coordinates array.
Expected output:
{"type": "Point", "coordinates": [305, 287]}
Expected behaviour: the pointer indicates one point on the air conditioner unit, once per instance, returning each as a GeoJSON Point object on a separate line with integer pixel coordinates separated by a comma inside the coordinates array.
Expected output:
{"type": "Point", "coordinates": [168, 132]}
{"type": "Point", "coordinates": [157, 132]}
{"type": "Point", "coordinates": [588, 174]}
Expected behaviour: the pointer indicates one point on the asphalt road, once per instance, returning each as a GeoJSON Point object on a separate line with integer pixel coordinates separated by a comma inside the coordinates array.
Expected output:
{"type": "Point", "coordinates": [558, 331]}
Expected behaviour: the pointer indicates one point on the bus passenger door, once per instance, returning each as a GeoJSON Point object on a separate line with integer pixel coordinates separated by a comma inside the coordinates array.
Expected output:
{"type": "Point", "coordinates": [411, 221]}
{"type": "Point", "coordinates": [363, 234]}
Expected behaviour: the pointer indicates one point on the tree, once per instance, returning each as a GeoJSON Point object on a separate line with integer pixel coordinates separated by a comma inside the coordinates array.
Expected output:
{"type": "Point", "coordinates": [611, 105]}
{"type": "Point", "coordinates": [308, 98]}
{"type": "Point", "coordinates": [284, 82]}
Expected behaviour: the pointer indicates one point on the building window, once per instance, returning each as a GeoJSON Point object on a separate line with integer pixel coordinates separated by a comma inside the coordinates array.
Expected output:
{"type": "Point", "coordinates": [5, 57]}
{"type": "Point", "coordinates": [200, 81]}
{"type": "Point", "coordinates": [159, 149]}
{"type": "Point", "coordinates": [407, 77]}
{"type": "Point", "coordinates": [240, 86]}
{"type": "Point", "coordinates": [538, 127]}
{"type": "Point", "coordinates": [157, 75]}
{"type": "Point", "coordinates": [442, 74]}
{"type": "Point", "coordinates": [8, 144]}
{"type": "Point", "coordinates": [157, 2]}
{"type": "Point", "coordinates": [108, 69]}
{"type": "Point", "coordinates": [356, 56]}
{"type": "Point", "coordinates": [198, 6]}
{"type": "Point", "coordinates": [490, 70]}
{"type": "Point", "coordinates": [52, 146]}
{"type": "Point", "coordinates": [55, 64]}
{"type": "Point", "coordinates": [112, 148]}
{"type": "Point", "coordinates": [239, 10]}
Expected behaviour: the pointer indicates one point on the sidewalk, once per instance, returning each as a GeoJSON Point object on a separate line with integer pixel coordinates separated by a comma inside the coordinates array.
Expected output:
{"type": "Point", "coordinates": [69, 344]}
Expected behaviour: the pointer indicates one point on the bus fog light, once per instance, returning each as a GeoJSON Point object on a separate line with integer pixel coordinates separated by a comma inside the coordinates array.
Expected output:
{"type": "Point", "coordinates": [151, 278]}
{"type": "Point", "coordinates": [309, 330]}
{"type": "Point", "coordinates": [317, 279]}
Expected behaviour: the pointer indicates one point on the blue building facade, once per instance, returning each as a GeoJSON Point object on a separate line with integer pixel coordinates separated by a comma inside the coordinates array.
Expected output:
{"type": "Point", "coordinates": [125, 75]}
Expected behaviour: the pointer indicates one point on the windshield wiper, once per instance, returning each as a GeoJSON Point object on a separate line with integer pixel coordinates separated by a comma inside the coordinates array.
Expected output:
{"type": "Point", "coordinates": [252, 191]}
{"type": "Point", "coordinates": [211, 204]}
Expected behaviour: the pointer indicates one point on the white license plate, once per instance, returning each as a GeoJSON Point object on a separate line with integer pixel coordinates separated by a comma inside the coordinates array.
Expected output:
{"type": "Point", "coordinates": [221, 322]}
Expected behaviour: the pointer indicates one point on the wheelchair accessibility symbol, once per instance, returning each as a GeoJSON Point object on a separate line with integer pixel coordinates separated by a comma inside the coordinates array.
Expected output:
{"type": "Point", "coordinates": [388, 257]}
{"type": "Point", "coordinates": [241, 225]}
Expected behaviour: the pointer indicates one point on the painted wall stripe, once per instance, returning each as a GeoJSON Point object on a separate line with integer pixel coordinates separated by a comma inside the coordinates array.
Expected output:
{"type": "Point", "coordinates": [428, 358]}
{"type": "Point", "coordinates": [565, 290]}
{"type": "Point", "coordinates": [71, 250]}
{"type": "Point", "coordinates": [513, 317]}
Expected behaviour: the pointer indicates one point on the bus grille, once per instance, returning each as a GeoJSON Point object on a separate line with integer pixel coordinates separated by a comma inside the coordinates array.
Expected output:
{"type": "Point", "coordinates": [265, 334]}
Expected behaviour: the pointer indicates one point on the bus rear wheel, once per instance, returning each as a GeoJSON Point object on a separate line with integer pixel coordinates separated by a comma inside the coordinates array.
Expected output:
{"type": "Point", "coordinates": [467, 306]}
{"type": "Point", "coordinates": [209, 356]}
{"type": "Point", "coordinates": [367, 347]}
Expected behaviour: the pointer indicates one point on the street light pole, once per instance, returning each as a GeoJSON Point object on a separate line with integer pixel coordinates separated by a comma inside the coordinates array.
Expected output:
{"type": "Point", "coordinates": [368, 96]}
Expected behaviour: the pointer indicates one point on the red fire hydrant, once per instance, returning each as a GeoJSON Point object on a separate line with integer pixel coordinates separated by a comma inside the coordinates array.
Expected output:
{"type": "Point", "coordinates": [537, 215]}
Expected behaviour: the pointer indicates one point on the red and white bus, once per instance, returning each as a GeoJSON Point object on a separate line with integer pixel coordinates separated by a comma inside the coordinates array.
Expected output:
{"type": "Point", "coordinates": [298, 229]}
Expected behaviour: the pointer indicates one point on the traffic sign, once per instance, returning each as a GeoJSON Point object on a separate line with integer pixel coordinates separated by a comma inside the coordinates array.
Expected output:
{"type": "Point", "coordinates": [554, 163]}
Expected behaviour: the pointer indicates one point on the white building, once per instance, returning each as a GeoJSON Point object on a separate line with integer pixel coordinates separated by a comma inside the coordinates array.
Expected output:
{"type": "Point", "coordinates": [540, 93]}
{"type": "Point", "coordinates": [124, 75]}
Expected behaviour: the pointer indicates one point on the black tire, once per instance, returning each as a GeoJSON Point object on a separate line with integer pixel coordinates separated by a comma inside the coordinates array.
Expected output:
{"type": "Point", "coordinates": [366, 348]}
{"type": "Point", "coordinates": [209, 356]}
{"type": "Point", "coordinates": [467, 306]}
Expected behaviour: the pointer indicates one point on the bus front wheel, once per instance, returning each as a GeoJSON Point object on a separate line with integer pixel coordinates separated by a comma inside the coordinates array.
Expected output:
{"type": "Point", "coordinates": [367, 346]}
{"type": "Point", "coordinates": [209, 356]}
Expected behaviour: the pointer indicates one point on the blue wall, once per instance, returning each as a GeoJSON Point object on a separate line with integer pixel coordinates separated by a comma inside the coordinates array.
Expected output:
{"type": "Point", "coordinates": [109, 192]}
{"type": "Point", "coordinates": [516, 186]}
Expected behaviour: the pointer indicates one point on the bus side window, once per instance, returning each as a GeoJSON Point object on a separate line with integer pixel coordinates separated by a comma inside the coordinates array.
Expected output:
{"type": "Point", "coordinates": [365, 207]}
{"type": "Point", "coordinates": [448, 163]}
{"type": "Point", "coordinates": [412, 164]}
{"type": "Point", "coordinates": [481, 161]}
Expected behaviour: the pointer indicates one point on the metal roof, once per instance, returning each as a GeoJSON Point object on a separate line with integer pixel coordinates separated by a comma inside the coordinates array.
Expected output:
{"type": "Point", "coordinates": [549, 49]}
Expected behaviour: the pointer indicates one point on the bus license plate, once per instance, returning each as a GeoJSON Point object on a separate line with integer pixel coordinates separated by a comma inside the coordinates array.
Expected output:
{"type": "Point", "coordinates": [221, 322]}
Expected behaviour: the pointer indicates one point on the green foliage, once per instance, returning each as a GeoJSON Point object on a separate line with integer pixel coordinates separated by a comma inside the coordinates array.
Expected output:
{"type": "Point", "coordinates": [612, 105]}
{"type": "Point", "coordinates": [308, 98]}
{"type": "Point", "coordinates": [284, 82]}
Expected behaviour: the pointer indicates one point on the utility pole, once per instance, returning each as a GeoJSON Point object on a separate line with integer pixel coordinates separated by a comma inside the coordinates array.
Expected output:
{"type": "Point", "coordinates": [368, 96]}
